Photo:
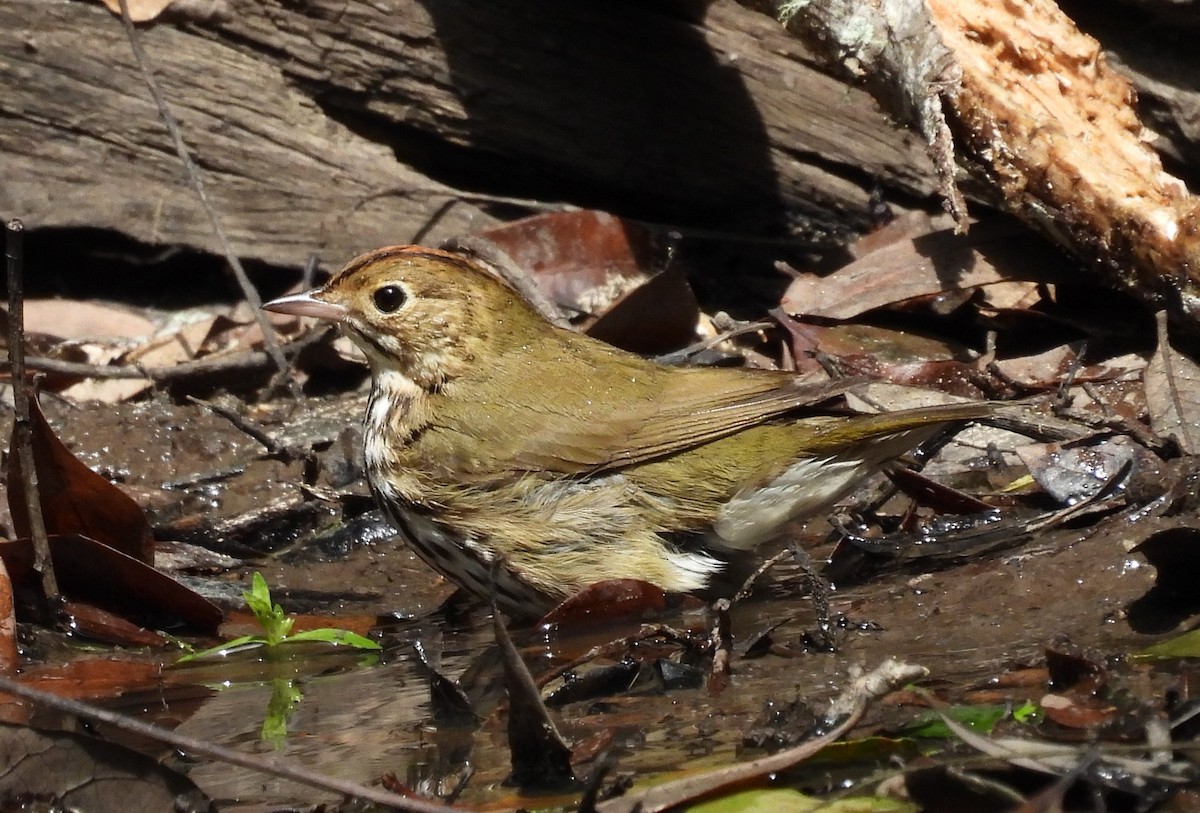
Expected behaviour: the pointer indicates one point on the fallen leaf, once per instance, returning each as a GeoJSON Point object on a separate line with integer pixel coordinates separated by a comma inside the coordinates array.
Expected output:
{"type": "Point", "coordinates": [1011, 295]}
{"type": "Point", "coordinates": [1077, 711]}
{"type": "Point", "coordinates": [74, 499]}
{"type": "Point", "coordinates": [9, 658]}
{"type": "Point", "coordinates": [1172, 383]}
{"type": "Point", "coordinates": [1073, 474]}
{"type": "Point", "coordinates": [1046, 370]}
{"type": "Point", "coordinates": [993, 252]}
{"type": "Point", "coordinates": [656, 317]}
{"type": "Point", "coordinates": [98, 624]}
{"type": "Point", "coordinates": [81, 320]}
{"type": "Point", "coordinates": [611, 270]}
{"type": "Point", "coordinates": [90, 571]}
{"type": "Point", "coordinates": [613, 601]}
{"type": "Point", "coordinates": [162, 351]}
{"type": "Point", "coordinates": [87, 773]}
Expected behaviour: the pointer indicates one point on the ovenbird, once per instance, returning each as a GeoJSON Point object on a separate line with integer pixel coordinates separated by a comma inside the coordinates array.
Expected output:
{"type": "Point", "coordinates": [525, 461]}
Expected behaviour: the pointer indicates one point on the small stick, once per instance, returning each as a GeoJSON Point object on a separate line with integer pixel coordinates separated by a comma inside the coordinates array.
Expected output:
{"type": "Point", "coordinates": [234, 362]}
{"type": "Point", "coordinates": [270, 343]}
{"type": "Point", "coordinates": [14, 251]}
{"type": "Point", "coordinates": [272, 766]}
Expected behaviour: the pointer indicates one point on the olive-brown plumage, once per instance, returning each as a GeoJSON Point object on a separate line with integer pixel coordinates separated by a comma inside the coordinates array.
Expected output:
{"type": "Point", "coordinates": [493, 434]}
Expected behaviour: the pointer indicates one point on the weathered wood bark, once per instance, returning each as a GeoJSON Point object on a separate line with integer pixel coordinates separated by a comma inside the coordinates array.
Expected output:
{"type": "Point", "coordinates": [1048, 126]}
{"type": "Point", "coordinates": [335, 126]}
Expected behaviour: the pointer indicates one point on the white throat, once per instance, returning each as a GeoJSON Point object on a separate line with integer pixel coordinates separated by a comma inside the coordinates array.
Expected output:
{"type": "Point", "coordinates": [392, 396]}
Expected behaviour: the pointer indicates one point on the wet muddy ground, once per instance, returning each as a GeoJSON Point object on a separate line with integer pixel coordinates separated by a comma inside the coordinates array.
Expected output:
{"type": "Point", "coordinates": [361, 715]}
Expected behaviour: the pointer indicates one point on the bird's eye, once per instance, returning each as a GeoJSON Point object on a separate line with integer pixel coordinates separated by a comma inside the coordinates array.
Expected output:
{"type": "Point", "coordinates": [389, 298]}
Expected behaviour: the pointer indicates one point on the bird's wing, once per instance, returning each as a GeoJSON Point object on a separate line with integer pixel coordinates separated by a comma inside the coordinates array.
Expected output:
{"type": "Point", "coordinates": [618, 417]}
{"type": "Point", "coordinates": [706, 404]}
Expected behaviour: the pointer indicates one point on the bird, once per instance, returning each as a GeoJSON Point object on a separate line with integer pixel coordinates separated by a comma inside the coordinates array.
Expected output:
{"type": "Point", "coordinates": [525, 461]}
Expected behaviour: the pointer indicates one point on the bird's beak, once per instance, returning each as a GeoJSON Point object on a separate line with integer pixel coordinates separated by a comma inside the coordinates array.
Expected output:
{"type": "Point", "coordinates": [307, 304]}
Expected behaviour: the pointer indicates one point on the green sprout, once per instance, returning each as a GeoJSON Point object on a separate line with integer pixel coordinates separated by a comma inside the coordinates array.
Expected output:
{"type": "Point", "coordinates": [277, 628]}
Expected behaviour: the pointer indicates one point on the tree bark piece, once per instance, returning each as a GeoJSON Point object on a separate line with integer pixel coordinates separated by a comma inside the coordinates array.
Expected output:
{"type": "Point", "coordinates": [336, 126]}
{"type": "Point", "coordinates": [81, 145]}
{"type": "Point", "coordinates": [1054, 126]}
{"type": "Point", "coordinates": [1042, 119]}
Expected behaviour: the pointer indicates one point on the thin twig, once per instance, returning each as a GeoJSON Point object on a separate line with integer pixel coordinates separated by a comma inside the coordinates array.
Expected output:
{"type": "Point", "coordinates": [256, 432]}
{"type": "Point", "coordinates": [843, 714]}
{"type": "Point", "coordinates": [748, 585]}
{"type": "Point", "coordinates": [191, 745]}
{"type": "Point", "coordinates": [721, 639]}
{"type": "Point", "coordinates": [197, 184]}
{"type": "Point", "coordinates": [22, 430]}
{"type": "Point", "coordinates": [234, 362]}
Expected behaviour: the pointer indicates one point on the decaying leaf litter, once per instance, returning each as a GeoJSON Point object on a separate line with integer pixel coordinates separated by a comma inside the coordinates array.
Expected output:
{"type": "Point", "coordinates": [222, 505]}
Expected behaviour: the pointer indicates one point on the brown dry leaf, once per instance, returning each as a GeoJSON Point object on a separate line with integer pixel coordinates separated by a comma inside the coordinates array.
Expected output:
{"type": "Point", "coordinates": [9, 659]}
{"type": "Point", "coordinates": [903, 229]}
{"type": "Point", "coordinates": [73, 319]}
{"type": "Point", "coordinates": [1012, 295]}
{"type": "Point", "coordinates": [993, 252]}
{"type": "Point", "coordinates": [88, 773]}
{"type": "Point", "coordinates": [98, 333]}
{"type": "Point", "coordinates": [90, 571]}
{"type": "Point", "coordinates": [106, 390]}
{"type": "Point", "coordinates": [1172, 383]}
{"type": "Point", "coordinates": [614, 271]}
{"type": "Point", "coordinates": [163, 351]}
{"type": "Point", "coordinates": [76, 500]}
{"type": "Point", "coordinates": [1046, 370]}
{"type": "Point", "coordinates": [140, 11]}
{"type": "Point", "coordinates": [182, 345]}
{"type": "Point", "coordinates": [233, 332]}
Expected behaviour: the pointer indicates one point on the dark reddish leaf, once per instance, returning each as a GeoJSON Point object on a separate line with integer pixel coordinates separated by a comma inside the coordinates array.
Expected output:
{"type": "Point", "coordinates": [92, 571]}
{"type": "Point", "coordinates": [9, 659]}
{"type": "Point", "coordinates": [75, 500]}
{"type": "Point", "coordinates": [96, 677]}
{"type": "Point", "coordinates": [573, 253]}
{"type": "Point", "coordinates": [653, 318]}
{"type": "Point", "coordinates": [576, 255]}
{"type": "Point", "coordinates": [614, 600]}
{"type": "Point", "coordinates": [935, 495]}
{"type": "Point", "coordinates": [1077, 710]}
{"type": "Point", "coordinates": [101, 625]}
